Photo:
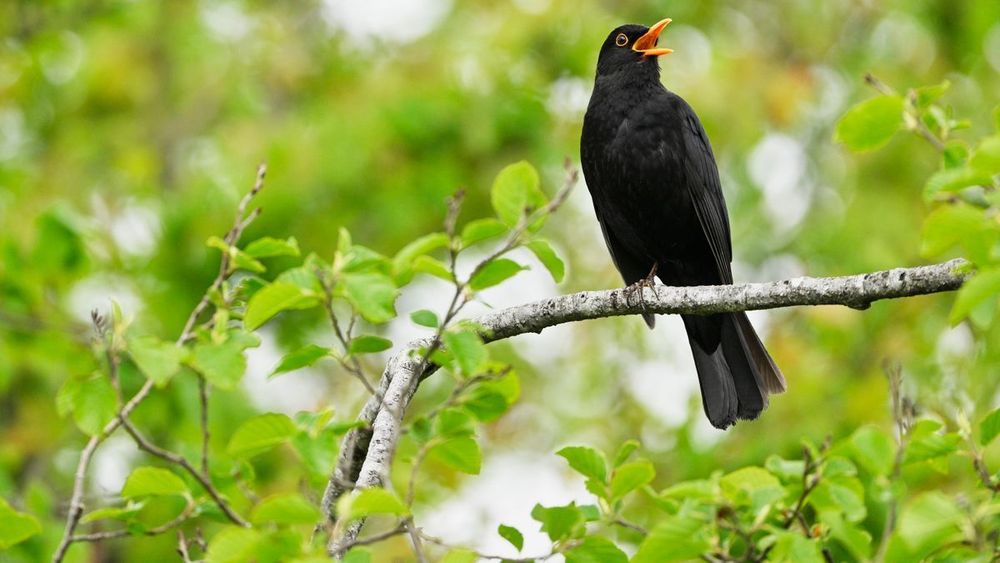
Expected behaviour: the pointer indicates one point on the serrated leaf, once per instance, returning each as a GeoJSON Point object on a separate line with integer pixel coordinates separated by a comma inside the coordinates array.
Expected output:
{"type": "Point", "coordinates": [369, 344]}
{"type": "Point", "coordinates": [871, 123]}
{"type": "Point", "coordinates": [268, 246]}
{"type": "Point", "coordinates": [586, 461]}
{"type": "Point", "coordinates": [468, 350]}
{"type": "Point", "coordinates": [596, 549]}
{"type": "Point", "coordinates": [366, 502]}
{"type": "Point", "coordinates": [480, 230]}
{"type": "Point", "coordinates": [629, 477]}
{"type": "Point", "coordinates": [153, 481]}
{"type": "Point", "coordinates": [259, 434]}
{"type": "Point", "coordinates": [515, 191]}
{"type": "Point", "coordinates": [494, 272]}
{"type": "Point", "coordinates": [372, 295]}
{"type": "Point", "coordinates": [559, 522]}
{"type": "Point", "coordinates": [989, 428]}
{"type": "Point", "coordinates": [984, 285]}
{"type": "Point", "coordinates": [425, 318]}
{"type": "Point", "coordinates": [297, 359]}
{"type": "Point", "coordinates": [459, 453]}
{"type": "Point", "coordinates": [273, 299]}
{"type": "Point", "coordinates": [512, 535]}
{"type": "Point", "coordinates": [157, 359]}
{"type": "Point", "coordinates": [285, 508]}
{"type": "Point", "coordinates": [16, 526]}
{"type": "Point", "coordinates": [679, 537]}
{"type": "Point", "coordinates": [548, 257]}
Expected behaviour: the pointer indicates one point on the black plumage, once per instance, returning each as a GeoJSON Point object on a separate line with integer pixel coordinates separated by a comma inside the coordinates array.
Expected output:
{"type": "Point", "coordinates": [656, 191]}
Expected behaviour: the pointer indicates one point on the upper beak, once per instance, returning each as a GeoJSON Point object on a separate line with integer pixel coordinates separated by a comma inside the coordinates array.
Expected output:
{"type": "Point", "coordinates": [647, 43]}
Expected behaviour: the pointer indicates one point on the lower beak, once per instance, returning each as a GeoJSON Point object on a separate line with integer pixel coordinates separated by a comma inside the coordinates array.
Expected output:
{"type": "Point", "coordinates": [647, 43]}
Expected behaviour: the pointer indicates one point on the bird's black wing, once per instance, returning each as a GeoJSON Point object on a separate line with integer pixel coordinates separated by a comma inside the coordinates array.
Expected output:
{"type": "Point", "coordinates": [705, 191]}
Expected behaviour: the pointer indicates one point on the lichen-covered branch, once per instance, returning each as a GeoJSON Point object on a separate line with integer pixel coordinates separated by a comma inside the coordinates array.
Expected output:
{"type": "Point", "coordinates": [366, 453]}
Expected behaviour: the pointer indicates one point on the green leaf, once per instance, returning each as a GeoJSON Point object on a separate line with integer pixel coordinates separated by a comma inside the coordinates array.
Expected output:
{"type": "Point", "coordinates": [596, 549]}
{"type": "Point", "coordinates": [259, 434]}
{"type": "Point", "coordinates": [374, 500]}
{"type": "Point", "coordinates": [116, 512]}
{"type": "Point", "coordinates": [16, 526]}
{"type": "Point", "coordinates": [453, 422]}
{"type": "Point", "coordinates": [273, 299]}
{"type": "Point", "coordinates": [989, 427]}
{"type": "Point", "coordinates": [515, 191]}
{"type": "Point", "coordinates": [372, 295]}
{"type": "Point", "coordinates": [425, 318]}
{"type": "Point", "coordinates": [434, 267]}
{"type": "Point", "coordinates": [925, 523]}
{"type": "Point", "coordinates": [285, 508]}
{"type": "Point", "coordinates": [629, 477]}
{"type": "Point", "coordinates": [480, 230]}
{"type": "Point", "coordinates": [403, 262]}
{"type": "Point", "coordinates": [494, 272]}
{"type": "Point", "coordinates": [927, 95]}
{"type": "Point", "coordinates": [927, 442]}
{"type": "Point", "coordinates": [233, 545]}
{"type": "Point", "coordinates": [459, 453]}
{"type": "Point", "coordinates": [468, 350]}
{"type": "Point", "coordinates": [586, 461]}
{"type": "Point", "coordinates": [959, 225]}
{"type": "Point", "coordinates": [548, 257]}
{"type": "Point", "coordinates": [243, 261]}
{"type": "Point", "coordinates": [986, 158]}
{"type": "Point", "coordinates": [223, 364]}
{"type": "Point", "coordinates": [157, 359]}
{"type": "Point", "coordinates": [460, 555]}
{"type": "Point", "coordinates": [512, 535]}
{"type": "Point", "coordinates": [559, 522]}
{"type": "Point", "coordinates": [871, 123]}
{"type": "Point", "coordinates": [752, 486]}
{"type": "Point", "coordinates": [267, 246]}
{"type": "Point", "coordinates": [845, 496]}
{"type": "Point", "coordinates": [984, 285]}
{"type": "Point", "coordinates": [873, 450]}
{"type": "Point", "coordinates": [793, 546]}
{"type": "Point", "coordinates": [955, 154]}
{"type": "Point", "coordinates": [677, 538]}
{"type": "Point", "coordinates": [952, 180]}
{"type": "Point", "coordinates": [485, 403]}
{"type": "Point", "coordinates": [358, 554]}
{"type": "Point", "coordinates": [305, 356]}
{"type": "Point", "coordinates": [369, 344]}
{"type": "Point", "coordinates": [92, 401]}
{"type": "Point", "coordinates": [153, 481]}
{"type": "Point", "coordinates": [625, 451]}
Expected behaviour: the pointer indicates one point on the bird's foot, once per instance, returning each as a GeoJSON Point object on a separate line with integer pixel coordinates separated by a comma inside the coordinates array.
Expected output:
{"type": "Point", "coordinates": [638, 287]}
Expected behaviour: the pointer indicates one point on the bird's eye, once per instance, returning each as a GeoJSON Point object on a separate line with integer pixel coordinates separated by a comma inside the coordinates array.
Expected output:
{"type": "Point", "coordinates": [621, 40]}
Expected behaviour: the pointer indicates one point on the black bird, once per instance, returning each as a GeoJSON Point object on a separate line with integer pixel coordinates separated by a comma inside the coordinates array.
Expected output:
{"type": "Point", "coordinates": [655, 185]}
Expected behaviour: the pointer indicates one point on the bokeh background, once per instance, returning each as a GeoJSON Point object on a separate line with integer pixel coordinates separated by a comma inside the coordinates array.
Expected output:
{"type": "Point", "coordinates": [128, 131]}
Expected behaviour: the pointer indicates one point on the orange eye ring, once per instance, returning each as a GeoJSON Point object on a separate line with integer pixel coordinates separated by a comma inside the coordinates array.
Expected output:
{"type": "Point", "coordinates": [621, 40]}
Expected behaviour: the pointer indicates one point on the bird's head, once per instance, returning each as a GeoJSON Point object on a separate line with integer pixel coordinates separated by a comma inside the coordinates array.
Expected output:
{"type": "Point", "coordinates": [632, 44]}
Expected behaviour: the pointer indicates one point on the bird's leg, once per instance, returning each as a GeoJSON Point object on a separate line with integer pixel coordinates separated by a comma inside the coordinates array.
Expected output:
{"type": "Point", "coordinates": [648, 281]}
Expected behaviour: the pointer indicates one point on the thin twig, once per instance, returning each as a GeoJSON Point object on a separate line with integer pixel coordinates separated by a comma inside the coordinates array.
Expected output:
{"type": "Point", "coordinates": [182, 547]}
{"type": "Point", "coordinates": [203, 396]}
{"type": "Point", "coordinates": [184, 516]}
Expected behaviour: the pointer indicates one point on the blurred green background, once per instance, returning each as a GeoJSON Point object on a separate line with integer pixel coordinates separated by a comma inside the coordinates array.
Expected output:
{"type": "Point", "coordinates": [128, 131]}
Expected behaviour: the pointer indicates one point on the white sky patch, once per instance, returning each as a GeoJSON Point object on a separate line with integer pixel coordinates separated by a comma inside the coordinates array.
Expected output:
{"type": "Point", "coordinates": [112, 464]}
{"type": "Point", "coordinates": [778, 165]}
{"type": "Point", "coordinates": [98, 291]}
{"type": "Point", "coordinates": [135, 230]}
{"type": "Point", "coordinates": [692, 56]}
{"type": "Point", "coordinates": [288, 393]}
{"type": "Point", "coordinates": [833, 93]}
{"type": "Point", "coordinates": [396, 21]}
{"type": "Point", "coordinates": [568, 97]}
{"type": "Point", "coordinates": [226, 20]}
{"type": "Point", "coordinates": [505, 492]}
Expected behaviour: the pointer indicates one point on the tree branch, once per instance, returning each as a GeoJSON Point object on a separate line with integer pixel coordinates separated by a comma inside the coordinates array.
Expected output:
{"type": "Point", "coordinates": [366, 454]}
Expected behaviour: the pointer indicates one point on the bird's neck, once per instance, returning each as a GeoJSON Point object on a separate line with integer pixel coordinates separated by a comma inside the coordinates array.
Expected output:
{"type": "Point", "coordinates": [623, 90]}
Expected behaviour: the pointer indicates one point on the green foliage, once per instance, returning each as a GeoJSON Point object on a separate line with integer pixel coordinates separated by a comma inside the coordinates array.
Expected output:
{"type": "Point", "coordinates": [260, 434]}
{"type": "Point", "coordinates": [366, 502]}
{"type": "Point", "coordinates": [153, 481]}
{"type": "Point", "coordinates": [872, 123]}
{"type": "Point", "coordinates": [17, 526]}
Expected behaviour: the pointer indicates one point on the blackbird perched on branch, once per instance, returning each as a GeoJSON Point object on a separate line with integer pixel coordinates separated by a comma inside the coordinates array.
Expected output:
{"type": "Point", "coordinates": [656, 191]}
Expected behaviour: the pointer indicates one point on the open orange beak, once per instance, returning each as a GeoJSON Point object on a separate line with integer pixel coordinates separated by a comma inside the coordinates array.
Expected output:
{"type": "Point", "coordinates": [647, 43]}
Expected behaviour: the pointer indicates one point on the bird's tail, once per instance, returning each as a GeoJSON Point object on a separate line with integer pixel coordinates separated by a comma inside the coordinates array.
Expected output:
{"type": "Point", "coordinates": [734, 369]}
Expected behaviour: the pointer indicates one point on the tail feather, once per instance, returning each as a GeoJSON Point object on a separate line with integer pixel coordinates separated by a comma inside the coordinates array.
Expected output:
{"type": "Point", "coordinates": [735, 371]}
